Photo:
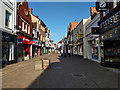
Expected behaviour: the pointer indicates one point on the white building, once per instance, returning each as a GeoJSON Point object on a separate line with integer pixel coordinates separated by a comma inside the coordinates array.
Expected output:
{"type": "Point", "coordinates": [79, 40]}
{"type": "Point", "coordinates": [93, 40]}
{"type": "Point", "coordinates": [7, 29]}
{"type": "Point", "coordinates": [47, 40]}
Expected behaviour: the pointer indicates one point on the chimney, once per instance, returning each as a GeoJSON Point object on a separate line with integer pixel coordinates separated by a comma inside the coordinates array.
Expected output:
{"type": "Point", "coordinates": [30, 9]}
{"type": "Point", "coordinates": [93, 12]}
{"type": "Point", "coordinates": [75, 21]}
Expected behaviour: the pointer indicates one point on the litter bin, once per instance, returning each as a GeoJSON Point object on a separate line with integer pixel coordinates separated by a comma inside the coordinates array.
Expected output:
{"type": "Point", "coordinates": [39, 64]}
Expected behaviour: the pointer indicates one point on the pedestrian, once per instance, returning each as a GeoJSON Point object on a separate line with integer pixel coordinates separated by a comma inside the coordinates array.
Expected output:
{"type": "Point", "coordinates": [61, 52]}
{"type": "Point", "coordinates": [65, 53]}
{"type": "Point", "coordinates": [69, 52]}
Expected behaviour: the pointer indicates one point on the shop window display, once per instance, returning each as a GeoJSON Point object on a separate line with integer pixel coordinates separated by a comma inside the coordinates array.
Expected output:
{"type": "Point", "coordinates": [94, 50]}
{"type": "Point", "coordinates": [112, 54]}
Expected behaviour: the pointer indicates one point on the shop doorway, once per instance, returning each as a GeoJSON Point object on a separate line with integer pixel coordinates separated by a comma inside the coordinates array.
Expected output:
{"type": "Point", "coordinates": [4, 52]}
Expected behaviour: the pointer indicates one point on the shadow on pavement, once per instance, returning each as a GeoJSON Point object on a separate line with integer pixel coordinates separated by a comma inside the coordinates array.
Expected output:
{"type": "Point", "coordinates": [53, 77]}
{"type": "Point", "coordinates": [60, 75]}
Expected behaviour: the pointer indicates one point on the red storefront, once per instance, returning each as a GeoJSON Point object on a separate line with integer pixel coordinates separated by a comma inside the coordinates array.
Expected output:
{"type": "Point", "coordinates": [25, 47]}
{"type": "Point", "coordinates": [24, 31]}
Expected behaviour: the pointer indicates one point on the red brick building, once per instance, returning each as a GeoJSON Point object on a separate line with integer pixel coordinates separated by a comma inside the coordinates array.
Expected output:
{"type": "Point", "coordinates": [24, 31]}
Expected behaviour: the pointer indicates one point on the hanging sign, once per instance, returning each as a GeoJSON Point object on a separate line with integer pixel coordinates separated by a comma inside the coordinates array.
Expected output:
{"type": "Point", "coordinates": [102, 5]}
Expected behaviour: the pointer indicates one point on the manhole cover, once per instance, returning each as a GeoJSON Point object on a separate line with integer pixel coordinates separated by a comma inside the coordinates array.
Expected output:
{"type": "Point", "coordinates": [57, 67]}
{"type": "Point", "coordinates": [78, 75]}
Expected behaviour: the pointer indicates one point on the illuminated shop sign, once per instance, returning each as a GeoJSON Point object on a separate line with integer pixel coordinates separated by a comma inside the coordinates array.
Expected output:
{"type": "Point", "coordinates": [111, 20]}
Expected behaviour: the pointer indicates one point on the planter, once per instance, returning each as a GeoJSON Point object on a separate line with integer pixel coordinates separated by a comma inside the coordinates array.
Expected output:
{"type": "Point", "coordinates": [39, 64]}
{"type": "Point", "coordinates": [46, 63]}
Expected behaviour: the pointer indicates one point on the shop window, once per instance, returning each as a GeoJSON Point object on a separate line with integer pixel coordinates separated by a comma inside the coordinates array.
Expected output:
{"type": "Point", "coordinates": [28, 29]}
{"type": "Point", "coordinates": [25, 27]}
{"type": "Point", "coordinates": [26, 50]}
{"type": "Point", "coordinates": [7, 19]}
{"type": "Point", "coordinates": [22, 25]}
{"type": "Point", "coordinates": [11, 51]}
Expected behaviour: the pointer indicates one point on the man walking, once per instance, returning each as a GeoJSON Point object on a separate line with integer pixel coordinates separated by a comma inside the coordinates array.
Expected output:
{"type": "Point", "coordinates": [69, 52]}
{"type": "Point", "coordinates": [61, 52]}
{"type": "Point", "coordinates": [65, 53]}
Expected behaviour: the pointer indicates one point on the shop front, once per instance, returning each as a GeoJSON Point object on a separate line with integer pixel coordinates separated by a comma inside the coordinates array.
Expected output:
{"type": "Point", "coordinates": [95, 50]}
{"type": "Point", "coordinates": [24, 47]}
{"type": "Point", "coordinates": [34, 48]}
{"type": "Point", "coordinates": [39, 46]}
{"type": "Point", "coordinates": [9, 47]}
{"type": "Point", "coordinates": [42, 50]}
{"type": "Point", "coordinates": [111, 49]}
{"type": "Point", "coordinates": [110, 37]}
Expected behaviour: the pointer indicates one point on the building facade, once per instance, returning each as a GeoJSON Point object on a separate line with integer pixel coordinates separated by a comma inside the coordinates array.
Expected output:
{"type": "Point", "coordinates": [110, 34]}
{"type": "Point", "coordinates": [7, 31]}
{"type": "Point", "coordinates": [93, 37]}
{"type": "Point", "coordinates": [47, 40]}
{"type": "Point", "coordinates": [79, 39]}
{"type": "Point", "coordinates": [24, 31]}
{"type": "Point", "coordinates": [36, 42]}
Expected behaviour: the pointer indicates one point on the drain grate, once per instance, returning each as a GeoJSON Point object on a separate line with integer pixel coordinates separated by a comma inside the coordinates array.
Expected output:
{"type": "Point", "coordinates": [77, 75]}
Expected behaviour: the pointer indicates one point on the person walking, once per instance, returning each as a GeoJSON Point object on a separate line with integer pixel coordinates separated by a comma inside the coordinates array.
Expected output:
{"type": "Point", "coordinates": [61, 52]}
{"type": "Point", "coordinates": [65, 53]}
{"type": "Point", "coordinates": [69, 52]}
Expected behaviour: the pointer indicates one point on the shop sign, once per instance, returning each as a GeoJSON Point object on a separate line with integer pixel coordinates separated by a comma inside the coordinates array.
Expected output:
{"type": "Point", "coordinates": [35, 42]}
{"type": "Point", "coordinates": [111, 20]}
{"type": "Point", "coordinates": [24, 40]}
{"type": "Point", "coordinates": [81, 35]}
{"type": "Point", "coordinates": [8, 37]}
{"type": "Point", "coordinates": [95, 30]}
{"type": "Point", "coordinates": [19, 41]}
{"type": "Point", "coordinates": [102, 5]}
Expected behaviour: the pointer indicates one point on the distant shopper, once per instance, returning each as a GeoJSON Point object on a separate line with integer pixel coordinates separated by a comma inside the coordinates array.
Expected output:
{"type": "Point", "coordinates": [65, 53]}
{"type": "Point", "coordinates": [61, 52]}
{"type": "Point", "coordinates": [69, 52]}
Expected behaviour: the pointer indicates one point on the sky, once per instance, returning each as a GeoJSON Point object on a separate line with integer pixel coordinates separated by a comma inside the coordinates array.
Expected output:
{"type": "Point", "coordinates": [57, 15]}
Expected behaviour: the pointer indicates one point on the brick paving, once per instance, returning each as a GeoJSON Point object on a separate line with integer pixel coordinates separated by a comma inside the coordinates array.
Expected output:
{"type": "Point", "coordinates": [69, 72]}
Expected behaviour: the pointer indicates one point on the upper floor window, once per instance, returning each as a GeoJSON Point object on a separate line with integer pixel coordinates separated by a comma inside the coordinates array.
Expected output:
{"type": "Point", "coordinates": [25, 27]}
{"type": "Point", "coordinates": [22, 25]}
{"type": "Point", "coordinates": [7, 19]}
{"type": "Point", "coordinates": [116, 3]}
{"type": "Point", "coordinates": [28, 29]}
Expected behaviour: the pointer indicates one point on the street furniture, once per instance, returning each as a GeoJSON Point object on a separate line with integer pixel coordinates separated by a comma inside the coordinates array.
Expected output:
{"type": "Point", "coordinates": [46, 63]}
{"type": "Point", "coordinates": [38, 64]}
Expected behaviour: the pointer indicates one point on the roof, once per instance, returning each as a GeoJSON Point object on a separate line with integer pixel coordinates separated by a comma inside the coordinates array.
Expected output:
{"type": "Point", "coordinates": [73, 25]}
{"type": "Point", "coordinates": [60, 41]}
